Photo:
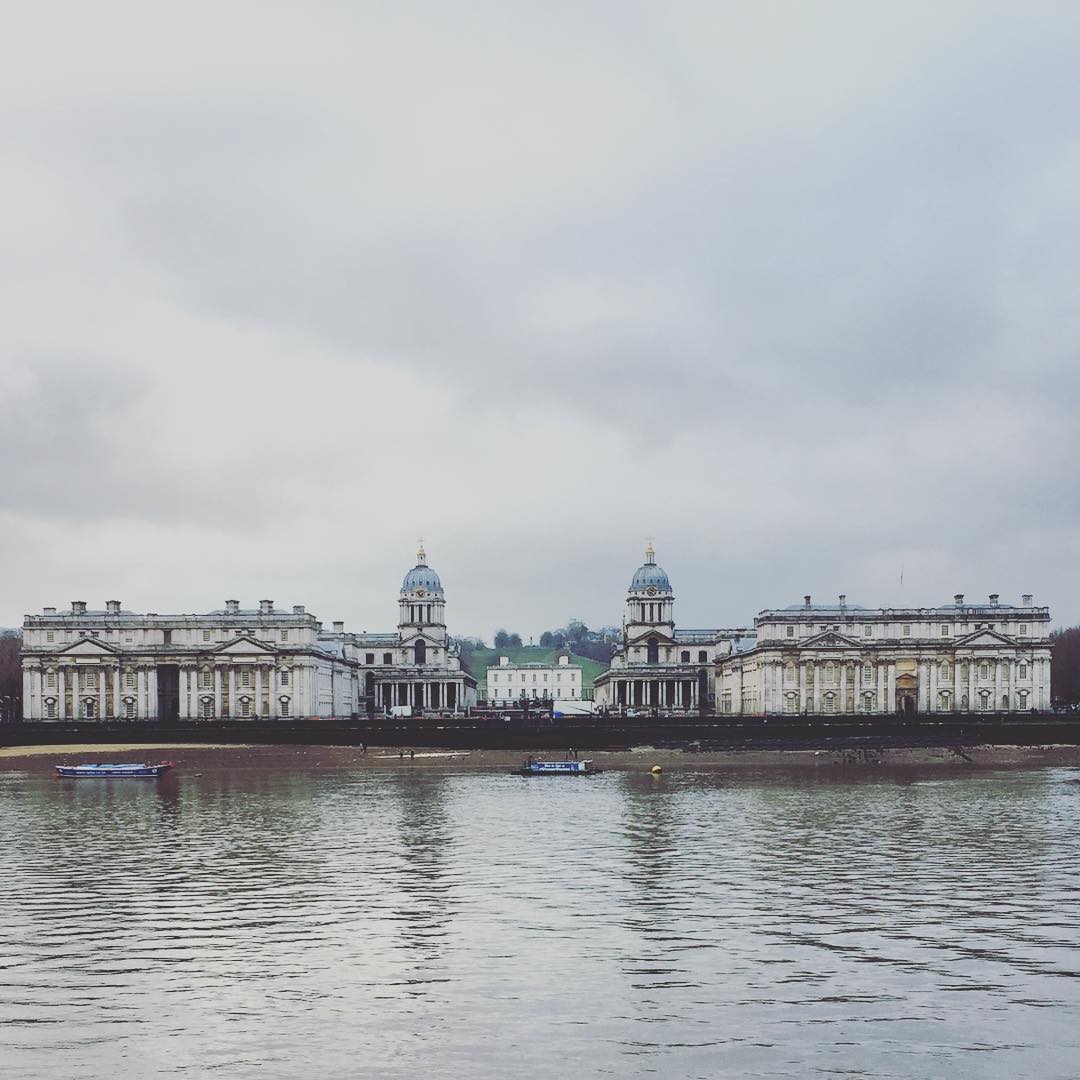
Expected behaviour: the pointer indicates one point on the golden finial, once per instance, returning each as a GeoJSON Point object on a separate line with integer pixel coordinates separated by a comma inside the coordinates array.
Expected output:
{"type": "Point", "coordinates": [420, 555]}
{"type": "Point", "coordinates": [650, 553]}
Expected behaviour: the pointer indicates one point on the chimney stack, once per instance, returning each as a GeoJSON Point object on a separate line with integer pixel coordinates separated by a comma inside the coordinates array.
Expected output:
{"type": "Point", "coordinates": [50, 611]}
{"type": "Point", "coordinates": [232, 606]}
{"type": "Point", "coordinates": [843, 601]}
{"type": "Point", "coordinates": [339, 627]}
{"type": "Point", "coordinates": [298, 609]}
{"type": "Point", "coordinates": [504, 661]}
{"type": "Point", "coordinates": [112, 607]}
{"type": "Point", "coordinates": [78, 607]}
{"type": "Point", "coordinates": [993, 599]}
{"type": "Point", "coordinates": [958, 599]}
{"type": "Point", "coordinates": [1027, 598]}
{"type": "Point", "coordinates": [266, 607]}
{"type": "Point", "coordinates": [806, 599]}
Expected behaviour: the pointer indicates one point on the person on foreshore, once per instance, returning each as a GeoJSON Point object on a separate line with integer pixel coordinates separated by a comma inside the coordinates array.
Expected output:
{"type": "Point", "coordinates": [412, 755]}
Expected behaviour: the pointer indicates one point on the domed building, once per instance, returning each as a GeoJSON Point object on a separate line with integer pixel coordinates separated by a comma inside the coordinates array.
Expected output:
{"type": "Point", "coordinates": [658, 667]}
{"type": "Point", "coordinates": [416, 669]}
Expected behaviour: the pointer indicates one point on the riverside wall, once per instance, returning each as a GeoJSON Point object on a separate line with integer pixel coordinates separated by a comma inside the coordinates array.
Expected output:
{"type": "Point", "coordinates": [581, 732]}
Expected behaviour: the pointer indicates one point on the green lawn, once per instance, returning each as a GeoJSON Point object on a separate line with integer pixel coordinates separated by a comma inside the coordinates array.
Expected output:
{"type": "Point", "coordinates": [482, 659]}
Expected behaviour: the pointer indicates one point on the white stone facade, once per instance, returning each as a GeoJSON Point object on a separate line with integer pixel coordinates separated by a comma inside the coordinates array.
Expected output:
{"type": "Point", "coordinates": [510, 682]}
{"type": "Point", "coordinates": [240, 663]}
{"type": "Point", "coordinates": [841, 658]}
{"type": "Point", "coordinates": [112, 663]}
{"type": "Point", "coordinates": [658, 667]}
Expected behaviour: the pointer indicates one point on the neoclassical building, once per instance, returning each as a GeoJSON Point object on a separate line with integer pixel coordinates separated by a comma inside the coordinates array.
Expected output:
{"type": "Point", "coordinates": [417, 668]}
{"type": "Point", "coordinates": [235, 662]}
{"type": "Point", "coordinates": [658, 666]}
{"type": "Point", "coordinates": [843, 658]}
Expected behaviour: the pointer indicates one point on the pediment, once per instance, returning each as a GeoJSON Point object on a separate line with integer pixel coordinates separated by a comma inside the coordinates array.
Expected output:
{"type": "Point", "coordinates": [244, 646]}
{"type": "Point", "coordinates": [89, 647]}
{"type": "Point", "coordinates": [984, 639]}
{"type": "Point", "coordinates": [416, 636]}
{"type": "Point", "coordinates": [830, 639]}
{"type": "Point", "coordinates": [643, 639]}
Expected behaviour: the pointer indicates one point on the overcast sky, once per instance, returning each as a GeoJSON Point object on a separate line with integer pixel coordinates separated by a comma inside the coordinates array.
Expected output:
{"type": "Point", "coordinates": [792, 287]}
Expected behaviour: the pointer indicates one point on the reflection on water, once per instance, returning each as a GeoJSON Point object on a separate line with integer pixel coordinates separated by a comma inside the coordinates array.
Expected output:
{"type": "Point", "coordinates": [388, 924]}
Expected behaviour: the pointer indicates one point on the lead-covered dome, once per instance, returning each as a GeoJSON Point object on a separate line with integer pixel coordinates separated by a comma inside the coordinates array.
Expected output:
{"type": "Point", "coordinates": [421, 576]}
{"type": "Point", "coordinates": [649, 575]}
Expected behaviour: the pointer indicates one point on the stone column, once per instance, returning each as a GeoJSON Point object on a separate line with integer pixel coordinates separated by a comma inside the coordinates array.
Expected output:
{"type": "Point", "coordinates": [932, 686]}
{"type": "Point", "coordinates": [972, 664]}
{"type": "Point", "coordinates": [890, 686]}
{"type": "Point", "coordinates": [118, 705]}
{"type": "Point", "coordinates": [882, 705]}
{"type": "Point", "coordinates": [999, 665]}
{"type": "Point", "coordinates": [259, 671]}
{"type": "Point", "coordinates": [802, 687]}
{"type": "Point", "coordinates": [234, 709]}
{"type": "Point", "coordinates": [103, 700]}
{"type": "Point", "coordinates": [61, 692]}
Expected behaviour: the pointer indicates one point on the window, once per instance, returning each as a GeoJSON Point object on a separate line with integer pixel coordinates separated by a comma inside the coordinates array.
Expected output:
{"type": "Point", "coordinates": [944, 629]}
{"type": "Point", "coordinates": [206, 635]}
{"type": "Point", "coordinates": [791, 631]}
{"type": "Point", "coordinates": [944, 701]}
{"type": "Point", "coordinates": [387, 658]}
{"type": "Point", "coordinates": [907, 630]}
{"type": "Point", "coordinates": [867, 703]}
{"type": "Point", "coordinates": [284, 676]}
{"type": "Point", "coordinates": [245, 678]}
{"type": "Point", "coordinates": [50, 679]}
{"type": "Point", "coordinates": [50, 635]}
{"type": "Point", "coordinates": [129, 680]}
{"type": "Point", "coordinates": [245, 706]}
{"type": "Point", "coordinates": [129, 709]}
{"type": "Point", "coordinates": [89, 709]}
{"type": "Point", "coordinates": [206, 708]}
{"type": "Point", "coordinates": [789, 674]}
{"type": "Point", "coordinates": [653, 655]}
{"type": "Point", "coordinates": [284, 635]}
{"type": "Point", "coordinates": [284, 710]}
{"type": "Point", "coordinates": [828, 703]}
{"type": "Point", "coordinates": [1022, 629]}
{"type": "Point", "coordinates": [206, 679]}
{"type": "Point", "coordinates": [50, 708]}
{"type": "Point", "coordinates": [867, 631]}
{"type": "Point", "coordinates": [685, 657]}
{"type": "Point", "coordinates": [1021, 671]}
{"type": "Point", "coordinates": [369, 658]}
{"type": "Point", "coordinates": [791, 703]}
{"type": "Point", "coordinates": [868, 673]}
{"type": "Point", "coordinates": [703, 656]}
{"type": "Point", "coordinates": [167, 636]}
{"type": "Point", "coordinates": [945, 671]}
{"type": "Point", "coordinates": [984, 670]}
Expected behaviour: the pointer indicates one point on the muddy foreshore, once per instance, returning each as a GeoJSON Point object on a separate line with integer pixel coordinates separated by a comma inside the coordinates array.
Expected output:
{"type": "Point", "coordinates": [638, 759]}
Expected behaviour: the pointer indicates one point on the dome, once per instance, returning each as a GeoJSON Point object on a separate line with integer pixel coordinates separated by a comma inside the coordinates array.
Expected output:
{"type": "Point", "coordinates": [649, 575]}
{"type": "Point", "coordinates": [421, 576]}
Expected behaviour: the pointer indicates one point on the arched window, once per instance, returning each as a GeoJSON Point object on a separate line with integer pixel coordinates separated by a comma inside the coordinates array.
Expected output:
{"type": "Point", "coordinates": [868, 703]}
{"type": "Point", "coordinates": [420, 652]}
{"type": "Point", "coordinates": [703, 656]}
{"type": "Point", "coordinates": [790, 674]}
{"type": "Point", "coordinates": [945, 670]}
{"type": "Point", "coordinates": [654, 651]}
{"type": "Point", "coordinates": [828, 703]}
{"type": "Point", "coordinates": [685, 657]}
{"type": "Point", "coordinates": [791, 703]}
{"type": "Point", "coordinates": [944, 701]}
{"type": "Point", "coordinates": [830, 674]}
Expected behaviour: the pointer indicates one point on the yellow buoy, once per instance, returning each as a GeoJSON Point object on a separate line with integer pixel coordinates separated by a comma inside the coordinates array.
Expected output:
{"type": "Point", "coordinates": [656, 769]}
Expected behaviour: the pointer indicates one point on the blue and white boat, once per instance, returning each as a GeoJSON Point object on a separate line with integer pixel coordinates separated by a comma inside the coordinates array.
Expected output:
{"type": "Point", "coordinates": [113, 770]}
{"type": "Point", "coordinates": [556, 768]}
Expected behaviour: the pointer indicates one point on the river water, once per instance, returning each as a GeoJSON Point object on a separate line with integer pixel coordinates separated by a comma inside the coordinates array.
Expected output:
{"type": "Point", "coordinates": [388, 923]}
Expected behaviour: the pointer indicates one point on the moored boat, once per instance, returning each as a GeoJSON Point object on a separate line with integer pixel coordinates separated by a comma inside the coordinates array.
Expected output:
{"type": "Point", "coordinates": [113, 769]}
{"type": "Point", "coordinates": [556, 768]}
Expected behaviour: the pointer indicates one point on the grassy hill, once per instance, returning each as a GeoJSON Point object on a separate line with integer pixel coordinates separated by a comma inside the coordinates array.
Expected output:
{"type": "Point", "coordinates": [482, 659]}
